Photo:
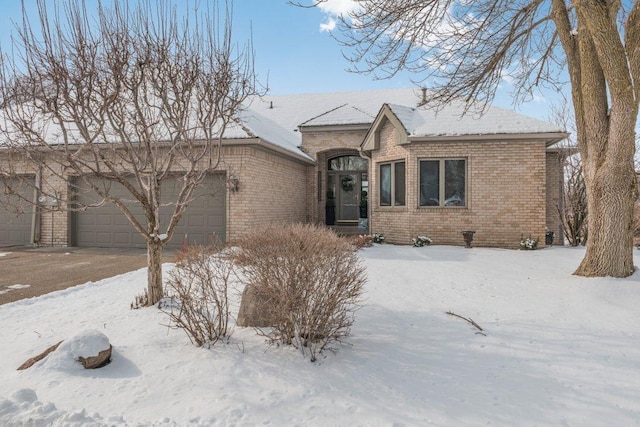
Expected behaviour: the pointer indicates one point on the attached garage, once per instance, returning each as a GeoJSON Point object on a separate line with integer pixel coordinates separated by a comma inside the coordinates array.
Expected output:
{"type": "Point", "coordinates": [106, 225]}
{"type": "Point", "coordinates": [16, 211]}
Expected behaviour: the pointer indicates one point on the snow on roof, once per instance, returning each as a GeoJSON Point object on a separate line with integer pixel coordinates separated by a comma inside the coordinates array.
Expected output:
{"type": "Point", "coordinates": [361, 107]}
{"type": "Point", "coordinates": [342, 115]}
{"type": "Point", "coordinates": [276, 119]}
{"type": "Point", "coordinates": [406, 115]}
{"type": "Point", "coordinates": [450, 121]}
{"type": "Point", "coordinates": [252, 124]}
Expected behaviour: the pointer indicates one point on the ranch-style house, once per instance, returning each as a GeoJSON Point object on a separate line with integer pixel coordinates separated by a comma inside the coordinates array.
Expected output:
{"type": "Point", "coordinates": [377, 161]}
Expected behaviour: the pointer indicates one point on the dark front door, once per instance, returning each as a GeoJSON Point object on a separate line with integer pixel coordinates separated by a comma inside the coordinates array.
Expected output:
{"type": "Point", "coordinates": [348, 200]}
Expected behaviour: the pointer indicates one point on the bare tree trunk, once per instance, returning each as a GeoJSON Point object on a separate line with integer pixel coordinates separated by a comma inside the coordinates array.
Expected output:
{"type": "Point", "coordinates": [154, 271]}
{"type": "Point", "coordinates": [611, 195]}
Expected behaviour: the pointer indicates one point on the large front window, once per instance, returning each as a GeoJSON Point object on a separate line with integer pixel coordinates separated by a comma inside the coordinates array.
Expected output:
{"type": "Point", "coordinates": [443, 182]}
{"type": "Point", "coordinates": [392, 184]}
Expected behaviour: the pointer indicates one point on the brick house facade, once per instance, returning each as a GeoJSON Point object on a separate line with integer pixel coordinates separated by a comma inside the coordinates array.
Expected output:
{"type": "Point", "coordinates": [289, 154]}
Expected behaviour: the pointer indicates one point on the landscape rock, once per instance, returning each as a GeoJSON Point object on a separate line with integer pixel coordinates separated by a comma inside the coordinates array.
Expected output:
{"type": "Point", "coordinates": [94, 362]}
{"type": "Point", "coordinates": [254, 311]}
{"type": "Point", "coordinates": [90, 348]}
{"type": "Point", "coordinates": [29, 363]}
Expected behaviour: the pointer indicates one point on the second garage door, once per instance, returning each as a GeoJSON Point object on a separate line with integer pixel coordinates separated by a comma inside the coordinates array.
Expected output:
{"type": "Point", "coordinates": [106, 226]}
{"type": "Point", "coordinates": [16, 211]}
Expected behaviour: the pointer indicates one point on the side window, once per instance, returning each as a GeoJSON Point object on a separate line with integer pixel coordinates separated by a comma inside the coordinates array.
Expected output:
{"type": "Point", "coordinates": [443, 182]}
{"type": "Point", "coordinates": [392, 184]}
{"type": "Point", "coordinates": [385, 185]}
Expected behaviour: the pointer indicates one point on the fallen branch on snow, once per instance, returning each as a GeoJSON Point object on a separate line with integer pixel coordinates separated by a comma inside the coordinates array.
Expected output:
{"type": "Point", "coordinates": [451, 313]}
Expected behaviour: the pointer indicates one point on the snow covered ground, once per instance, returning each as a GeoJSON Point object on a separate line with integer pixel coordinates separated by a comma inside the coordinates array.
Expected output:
{"type": "Point", "coordinates": [558, 350]}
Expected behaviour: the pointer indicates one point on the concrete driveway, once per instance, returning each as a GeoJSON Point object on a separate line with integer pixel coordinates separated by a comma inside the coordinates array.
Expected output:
{"type": "Point", "coordinates": [30, 272]}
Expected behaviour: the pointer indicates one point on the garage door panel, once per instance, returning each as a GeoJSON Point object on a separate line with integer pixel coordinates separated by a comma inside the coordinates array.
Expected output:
{"type": "Point", "coordinates": [121, 220]}
{"type": "Point", "coordinates": [121, 238]}
{"type": "Point", "coordinates": [104, 219]}
{"type": "Point", "coordinates": [15, 229]}
{"type": "Point", "coordinates": [107, 225]}
{"type": "Point", "coordinates": [196, 220]}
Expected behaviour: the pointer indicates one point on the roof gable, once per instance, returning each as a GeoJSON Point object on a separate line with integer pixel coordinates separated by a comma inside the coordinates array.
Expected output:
{"type": "Point", "coordinates": [401, 123]}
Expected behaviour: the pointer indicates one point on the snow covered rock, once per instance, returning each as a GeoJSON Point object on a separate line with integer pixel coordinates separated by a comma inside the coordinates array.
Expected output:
{"type": "Point", "coordinates": [92, 349]}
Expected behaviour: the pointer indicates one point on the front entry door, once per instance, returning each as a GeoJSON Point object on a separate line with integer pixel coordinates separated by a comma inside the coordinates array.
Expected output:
{"type": "Point", "coordinates": [348, 197]}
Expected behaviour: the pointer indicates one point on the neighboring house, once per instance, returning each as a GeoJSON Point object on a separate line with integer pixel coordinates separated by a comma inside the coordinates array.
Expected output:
{"type": "Point", "coordinates": [415, 171]}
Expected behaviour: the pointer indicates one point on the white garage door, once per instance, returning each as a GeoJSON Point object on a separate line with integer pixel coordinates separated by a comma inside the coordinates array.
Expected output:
{"type": "Point", "coordinates": [16, 213]}
{"type": "Point", "coordinates": [106, 226]}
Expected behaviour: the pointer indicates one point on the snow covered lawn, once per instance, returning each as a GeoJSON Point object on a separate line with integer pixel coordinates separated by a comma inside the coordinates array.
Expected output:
{"type": "Point", "coordinates": [558, 350]}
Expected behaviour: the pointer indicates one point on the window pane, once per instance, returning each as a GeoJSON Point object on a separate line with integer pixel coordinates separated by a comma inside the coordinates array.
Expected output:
{"type": "Point", "coordinates": [347, 163]}
{"type": "Point", "coordinates": [385, 185]}
{"type": "Point", "coordinates": [430, 183]}
{"type": "Point", "coordinates": [399, 190]}
{"type": "Point", "coordinates": [454, 182]}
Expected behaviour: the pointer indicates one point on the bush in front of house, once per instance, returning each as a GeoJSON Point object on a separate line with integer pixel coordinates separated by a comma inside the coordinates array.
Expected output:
{"type": "Point", "coordinates": [197, 295]}
{"type": "Point", "coordinates": [421, 241]}
{"type": "Point", "coordinates": [312, 280]}
{"type": "Point", "coordinates": [362, 241]}
{"type": "Point", "coordinates": [528, 243]}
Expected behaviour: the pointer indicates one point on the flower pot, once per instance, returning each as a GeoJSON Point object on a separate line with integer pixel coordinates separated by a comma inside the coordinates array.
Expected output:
{"type": "Point", "coordinates": [330, 214]}
{"type": "Point", "coordinates": [548, 238]}
{"type": "Point", "coordinates": [468, 238]}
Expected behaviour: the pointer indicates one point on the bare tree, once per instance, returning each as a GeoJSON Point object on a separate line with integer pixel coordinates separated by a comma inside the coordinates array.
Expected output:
{"type": "Point", "coordinates": [129, 96]}
{"type": "Point", "coordinates": [464, 49]}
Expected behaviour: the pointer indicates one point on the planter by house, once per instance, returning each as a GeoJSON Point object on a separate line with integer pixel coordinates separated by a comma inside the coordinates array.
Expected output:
{"type": "Point", "coordinates": [364, 205]}
{"type": "Point", "coordinates": [548, 238]}
{"type": "Point", "coordinates": [468, 238]}
{"type": "Point", "coordinates": [330, 209]}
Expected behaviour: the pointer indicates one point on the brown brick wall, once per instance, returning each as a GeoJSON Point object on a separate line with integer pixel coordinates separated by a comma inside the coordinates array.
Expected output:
{"type": "Point", "coordinates": [506, 193]}
{"type": "Point", "coordinates": [555, 182]}
{"type": "Point", "coordinates": [272, 189]}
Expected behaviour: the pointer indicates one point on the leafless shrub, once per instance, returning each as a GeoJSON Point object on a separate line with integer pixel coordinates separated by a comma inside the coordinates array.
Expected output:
{"type": "Point", "coordinates": [197, 295]}
{"type": "Point", "coordinates": [572, 209]}
{"type": "Point", "coordinates": [636, 225]}
{"type": "Point", "coordinates": [573, 213]}
{"type": "Point", "coordinates": [141, 300]}
{"type": "Point", "coordinates": [362, 241]}
{"type": "Point", "coordinates": [313, 280]}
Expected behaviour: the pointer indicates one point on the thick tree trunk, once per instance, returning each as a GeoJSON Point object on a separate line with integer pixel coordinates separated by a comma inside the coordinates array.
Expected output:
{"type": "Point", "coordinates": [154, 271]}
{"type": "Point", "coordinates": [611, 194]}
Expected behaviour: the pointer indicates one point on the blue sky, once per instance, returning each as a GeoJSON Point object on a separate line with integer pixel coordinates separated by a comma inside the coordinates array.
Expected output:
{"type": "Point", "coordinates": [293, 53]}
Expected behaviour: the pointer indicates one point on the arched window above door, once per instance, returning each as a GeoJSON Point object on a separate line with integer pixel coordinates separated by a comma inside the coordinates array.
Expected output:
{"type": "Point", "coordinates": [347, 163]}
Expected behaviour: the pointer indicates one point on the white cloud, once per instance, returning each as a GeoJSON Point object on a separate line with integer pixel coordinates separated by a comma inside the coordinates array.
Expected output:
{"type": "Point", "coordinates": [334, 9]}
{"type": "Point", "coordinates": [338, 7]}
{"type": "Point", "coordinates": [328, 26]}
